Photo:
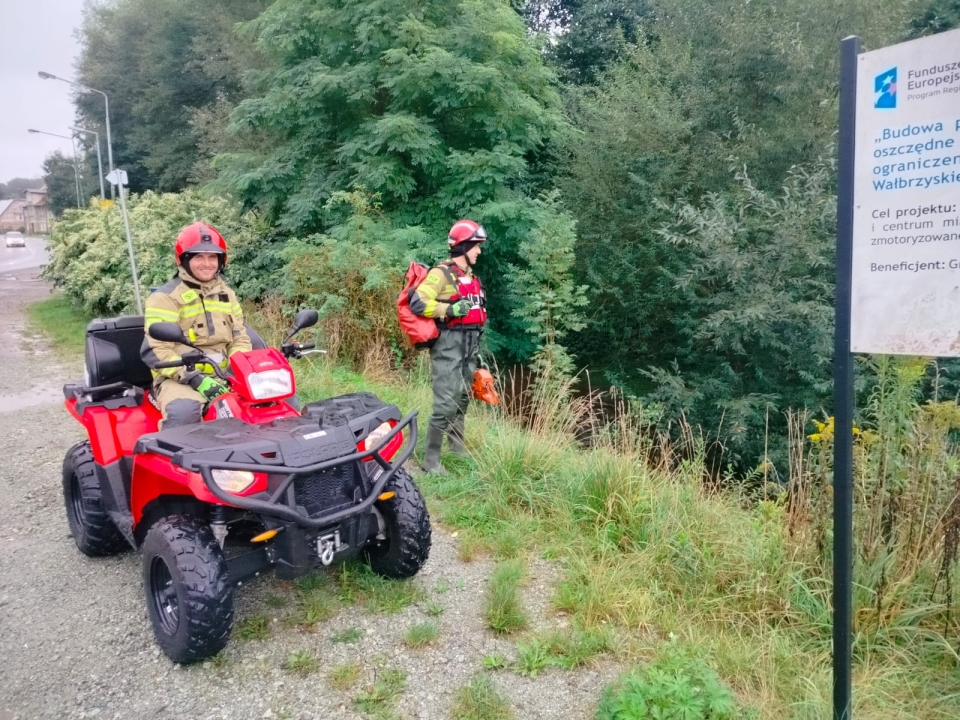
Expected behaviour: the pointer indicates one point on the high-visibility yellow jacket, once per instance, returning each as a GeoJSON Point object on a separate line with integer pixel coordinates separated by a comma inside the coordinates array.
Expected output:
{"type": "Point", "coordinates": [434, 293]}
{"type": "Point", "coordinates": [209, 315]}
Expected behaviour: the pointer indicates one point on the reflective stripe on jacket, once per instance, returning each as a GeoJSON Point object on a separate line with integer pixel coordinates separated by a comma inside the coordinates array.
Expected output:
{"type": "Point", "coordinates": [445, 284]}
{"type": "Point", "coordinates": [209, 315]}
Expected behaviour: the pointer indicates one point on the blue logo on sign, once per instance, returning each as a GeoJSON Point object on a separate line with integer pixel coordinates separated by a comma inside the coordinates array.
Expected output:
{"type": "Point", "coordinates": [885, 89]}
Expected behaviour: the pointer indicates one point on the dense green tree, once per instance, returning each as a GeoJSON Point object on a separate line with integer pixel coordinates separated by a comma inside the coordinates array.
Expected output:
{"type": "Point", "coordinates": [161, 63]}
{"type": "Point", "coordinates": [598, 33]}
{"type": "Point", "coordinates": [724, 90]}
{"type": "Point", "coordinates": [434, 108]}
{"type": "Point", "coordinates": [60, 179]}
{"type": "Point", "coordinates": [585, 36]}
{"type": "Point", "coordinates": [757, 290]}
{"type": "Point", "coordinates": [938, 16]}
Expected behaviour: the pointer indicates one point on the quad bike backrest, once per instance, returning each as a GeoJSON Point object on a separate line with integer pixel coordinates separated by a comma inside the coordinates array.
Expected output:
{"type": "Point", "coordinates": [113, 351]}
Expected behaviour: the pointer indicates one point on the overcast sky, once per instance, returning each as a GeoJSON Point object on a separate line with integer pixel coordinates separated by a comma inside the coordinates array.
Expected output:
{"type": "Point", "coordinates": [36, 35]}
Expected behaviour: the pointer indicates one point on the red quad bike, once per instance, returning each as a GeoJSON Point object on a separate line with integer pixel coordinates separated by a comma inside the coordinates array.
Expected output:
{"type": "Point", "coordinates": [258, 485]}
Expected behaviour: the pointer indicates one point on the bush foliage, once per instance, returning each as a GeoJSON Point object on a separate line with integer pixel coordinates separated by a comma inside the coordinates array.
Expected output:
{"type": "Point", "coordinates": [88, 248]}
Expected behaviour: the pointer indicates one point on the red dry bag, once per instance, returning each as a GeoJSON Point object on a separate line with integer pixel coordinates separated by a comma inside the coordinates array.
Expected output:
{"type": "Point", "coordinates": [422, 331]}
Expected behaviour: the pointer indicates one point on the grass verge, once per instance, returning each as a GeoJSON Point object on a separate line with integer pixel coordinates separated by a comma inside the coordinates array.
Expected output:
{"type": "Point", "coordinates": [62, 322]}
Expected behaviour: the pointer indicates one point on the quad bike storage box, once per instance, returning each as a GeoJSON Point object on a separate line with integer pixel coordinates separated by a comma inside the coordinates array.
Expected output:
{"type": "Point", "coordinates": [112, 352]}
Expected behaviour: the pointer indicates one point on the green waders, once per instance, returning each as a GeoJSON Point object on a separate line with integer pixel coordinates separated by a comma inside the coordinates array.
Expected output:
{"type": "Point", "coordinates": [453, 360]}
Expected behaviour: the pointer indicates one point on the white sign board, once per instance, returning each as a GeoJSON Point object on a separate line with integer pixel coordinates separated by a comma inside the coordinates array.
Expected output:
{"type": "Point", "coordinates": [117, 177]}
{"type": "Point", "coordinates": [906, 227]}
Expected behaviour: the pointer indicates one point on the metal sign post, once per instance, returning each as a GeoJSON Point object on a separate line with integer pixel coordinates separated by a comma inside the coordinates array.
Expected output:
{"type": "Point", "coordinates": [119, 178]}
{"type": "Point", "coordinates": [898, 272]}
{"type": "Point", "coordinates": [843, 389]}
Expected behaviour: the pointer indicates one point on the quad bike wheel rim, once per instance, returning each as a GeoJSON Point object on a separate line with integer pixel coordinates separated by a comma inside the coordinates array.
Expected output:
{"type": "Point", "coordinates": [163, 596]}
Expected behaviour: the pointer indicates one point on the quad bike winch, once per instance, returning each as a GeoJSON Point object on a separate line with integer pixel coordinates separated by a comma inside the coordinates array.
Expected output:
{"type": "Point", "coordinates": [259, 485]}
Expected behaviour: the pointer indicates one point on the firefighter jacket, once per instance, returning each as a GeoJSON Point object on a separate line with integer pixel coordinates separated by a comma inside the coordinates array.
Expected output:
{"type": "Point", "coordinates": [209, 315]}
{"type": "Point", "coordinates": [444, 285]}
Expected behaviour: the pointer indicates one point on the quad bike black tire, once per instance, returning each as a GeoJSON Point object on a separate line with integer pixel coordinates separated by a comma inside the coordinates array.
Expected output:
{"type": "Point", "coordinates": [407, 544]}
{"type": "Point", "coordinates": [92, 529]}
{"type": "Point", "coordinates": [187, 587]}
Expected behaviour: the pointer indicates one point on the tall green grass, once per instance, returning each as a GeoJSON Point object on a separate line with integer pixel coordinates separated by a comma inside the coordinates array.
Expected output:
{"type": "Point", "coordinates": [645, 545]}
{"type": "Point", "coordinates": [742, 583]}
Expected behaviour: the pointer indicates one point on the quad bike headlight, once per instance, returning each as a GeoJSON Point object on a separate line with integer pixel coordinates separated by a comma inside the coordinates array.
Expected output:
{"type": "Point", "coordinates": [234, 481]}
{"type": "Point", "coordinates": [377, 435]}
{"type": "Point", "coordinates": [270, 384]}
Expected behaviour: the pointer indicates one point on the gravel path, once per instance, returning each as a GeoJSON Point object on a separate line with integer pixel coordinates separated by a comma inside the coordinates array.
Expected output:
{"type": "Point", "coordinates": [75, 640]}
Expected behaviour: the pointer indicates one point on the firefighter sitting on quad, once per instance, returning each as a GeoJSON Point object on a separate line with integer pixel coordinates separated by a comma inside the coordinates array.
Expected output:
{"type": "Point", "coordinates": [207, 311]}
{"type": "Point", "coordinates": [451, 294]}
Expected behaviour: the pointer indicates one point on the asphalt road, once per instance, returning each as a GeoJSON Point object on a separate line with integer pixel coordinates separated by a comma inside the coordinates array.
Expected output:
{"type": "Point", "coordinates": [29, 372]}
{"type": "Point", "coordinates": [32, 256]}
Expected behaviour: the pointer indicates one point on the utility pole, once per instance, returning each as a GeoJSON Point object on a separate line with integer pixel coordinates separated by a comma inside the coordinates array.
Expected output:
{"type": "Point", "coordinates": [99, 163]}
{"type": "Point", "coordinates": [119, 178]}
{"type": "Point", "coordinates": [76, 170]}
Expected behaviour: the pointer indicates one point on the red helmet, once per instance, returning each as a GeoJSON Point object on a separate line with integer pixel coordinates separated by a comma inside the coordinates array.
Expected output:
{"type": "Point", "coordinates": [200, 238]}
{"type": "Point", "coordinates": [466, 231]}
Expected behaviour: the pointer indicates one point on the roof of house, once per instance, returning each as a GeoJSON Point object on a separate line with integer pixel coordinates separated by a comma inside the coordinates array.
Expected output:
{"type": "Point", "coordinates": [5, 205]}
{"type": "Point", "coordinates": [31, 196]}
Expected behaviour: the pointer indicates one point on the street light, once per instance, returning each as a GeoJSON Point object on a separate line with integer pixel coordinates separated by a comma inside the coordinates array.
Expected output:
{"type": "Point", "coordinates": [116, 177]}
{"type": "Point", "coordinates": [106, 104]}
{"type": "Point", "coordinates": [99, 163]}
{"type": "Point", "coordinates": [76, 171]}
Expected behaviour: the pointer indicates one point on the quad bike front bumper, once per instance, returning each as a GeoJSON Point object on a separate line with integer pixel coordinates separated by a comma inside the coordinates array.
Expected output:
{"type": "Point", "coordinates": [281, 500]}
{"type": "Point", "coordinates": [321, 488]}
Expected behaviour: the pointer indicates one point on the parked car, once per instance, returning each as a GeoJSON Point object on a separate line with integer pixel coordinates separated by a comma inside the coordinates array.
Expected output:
{"type": "Point", "coordinates": [15, 239]}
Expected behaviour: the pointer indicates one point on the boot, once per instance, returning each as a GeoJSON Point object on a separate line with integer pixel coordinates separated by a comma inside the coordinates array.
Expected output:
{"type": "Point", "coordinates": [431, 456]}
{"type": "Point", "coordinates": [455, 436]}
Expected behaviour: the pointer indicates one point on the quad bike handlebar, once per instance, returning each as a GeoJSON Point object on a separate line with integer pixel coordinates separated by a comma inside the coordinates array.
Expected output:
{"type": "Point", "coordinates": [189, 359]}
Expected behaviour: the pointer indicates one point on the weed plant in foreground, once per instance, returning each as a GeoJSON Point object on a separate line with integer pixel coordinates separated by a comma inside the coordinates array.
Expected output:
{"type": "Point", "coordinates": [345, 675]}
{"type": "Point", "coordinates": [380, 697]}
{"type": "Point", "coordinates": [421, 635]}
{"type": "Point", "coordinates": [302, 662]}
{"type": "Point", "coordinates": [479, 699]}
{"type": "Point", "coordinates": [256, 627]}
{"type": "Point", "coordinates": [503, 608]}
{"type": "Point", "coordinates": [672, 687]}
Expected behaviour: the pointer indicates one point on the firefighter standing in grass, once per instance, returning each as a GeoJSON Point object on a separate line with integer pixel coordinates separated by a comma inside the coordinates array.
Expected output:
{"type": "Point", "coordinates": [452, 295]}
{"type": "Point", "coordinates": [207, 311]}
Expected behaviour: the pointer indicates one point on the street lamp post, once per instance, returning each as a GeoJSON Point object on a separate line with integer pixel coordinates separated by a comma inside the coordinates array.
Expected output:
{"type": "Point", "coordinates": [76, 170]}
{"type": "Point", "coordinates": [116, 177]}
{"type": "Point", "coordinates": [106, 105]}
{"type": "Point", "coordinates": [99, 163]}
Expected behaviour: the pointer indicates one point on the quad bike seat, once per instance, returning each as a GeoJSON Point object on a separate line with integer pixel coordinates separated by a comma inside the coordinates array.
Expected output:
{"type": "Point", "coordinates": [114, 372]}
